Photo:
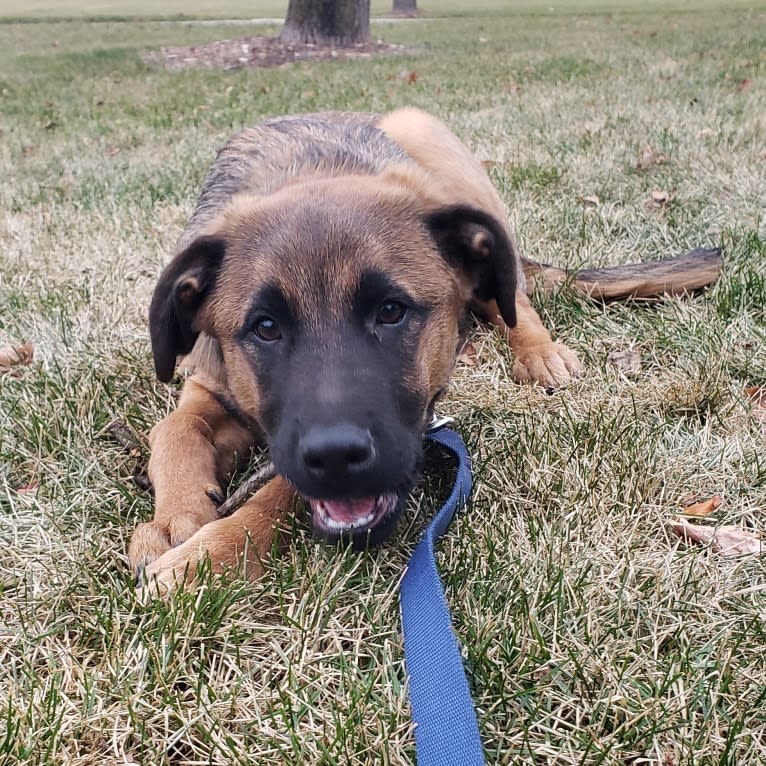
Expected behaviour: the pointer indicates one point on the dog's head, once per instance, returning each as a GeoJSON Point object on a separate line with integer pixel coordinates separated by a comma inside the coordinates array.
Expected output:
{"type": "Point", "coordinates": [339, 306]}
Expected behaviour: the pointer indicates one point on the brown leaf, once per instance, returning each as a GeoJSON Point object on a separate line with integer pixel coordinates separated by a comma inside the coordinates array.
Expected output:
{"type": "Point", "coordinates": [591, 200]}
{"type": "Point", "coordinates": [757, 397]}
{"type": "Point", "coordinates": [27, 489]}
{"type": "Point", "coordinates": [703, 509]}
{"type": "Point", "coordinates": [744, 84]}
{"type": "Point", "coordinates": [728, 540]}
{"type": "Point", "coordinates": [112, 151]}
{"type": "Point", "coordinates": [649, 158]}
{"type": "Point", "coordinates": [468, 355]}
{"type": "Point", "coordinates": [122, 434]}
{"type": "Point", "coordinates": [14, 356]}
{"type": "Point", "coordinates": [627, 361]}
{"type": "Point", "coordinates": [660, 199]}
{"type": "Point", "coordinates": [489, 164]}
{"type": "Point", "coordinates": [408, 77]}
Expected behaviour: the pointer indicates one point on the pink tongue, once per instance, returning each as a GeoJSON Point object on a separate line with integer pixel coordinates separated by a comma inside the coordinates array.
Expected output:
{"type": "Point", "coordinates": [348, 511]}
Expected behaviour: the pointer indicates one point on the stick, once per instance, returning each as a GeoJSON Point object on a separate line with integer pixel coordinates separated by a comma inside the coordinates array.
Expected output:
{"type": "Point", "coordinates": [246, 489]}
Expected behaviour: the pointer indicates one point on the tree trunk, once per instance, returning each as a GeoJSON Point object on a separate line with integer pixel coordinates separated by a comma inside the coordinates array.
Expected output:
{"type": "Point", "coordinates": [327, 22]}
{"type": "Point", "coordinates": [406, 7]}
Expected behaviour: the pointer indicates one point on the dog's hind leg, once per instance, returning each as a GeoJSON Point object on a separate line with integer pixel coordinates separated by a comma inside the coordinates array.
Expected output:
{"type": "Point", "coordinates": [460, 179]}
{"type": "Point", "coordinates": [536, 357]}
{"type": "Point", "coordinates": [192, 450]}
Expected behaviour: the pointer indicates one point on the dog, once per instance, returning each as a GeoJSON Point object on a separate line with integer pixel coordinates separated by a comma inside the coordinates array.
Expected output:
{"type": "Point", "coordinates": [319, 298]}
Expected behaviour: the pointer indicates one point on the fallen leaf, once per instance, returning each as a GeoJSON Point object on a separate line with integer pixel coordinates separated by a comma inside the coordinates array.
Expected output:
{"type": "Point", "coordinates": [404, 75]}
{"type": "Point", "coordinates": [627, 361]}
{"type": "Point", "coordinates": [14, 356]}
{"type": "Point", "coordinates": [122, 434]}
{"type": "Point", "coordinates": [27, 489]}
{"type": "Point", "coordinates": [489, 164]}
{"type": "Point", "coordinates": [649, 158]}
{"type": "Point", "coordinates": [728, 540]}
{"type": "Point", "coordinates": [591, 200]}
{"type": "Point", "coordinates": [468, 355]}
{"type": "Point", "coordinates": [112, 151]}
{"type": "Point", "coordinates": [660, 199]}
{"type": "Point", "coordinates": [744, 84]}
{"type": "Point", "coordinates": [703, 509]}
{"type": "Point", "coordinates": [757, 397]}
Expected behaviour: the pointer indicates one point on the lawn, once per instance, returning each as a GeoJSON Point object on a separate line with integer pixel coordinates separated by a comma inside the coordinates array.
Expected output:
{"type": "Point", "coordinates": [591, 634]}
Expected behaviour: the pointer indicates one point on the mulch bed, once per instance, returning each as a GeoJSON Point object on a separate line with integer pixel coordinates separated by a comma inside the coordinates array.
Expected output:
{"type": "Point", "coordinates": [261, 51]}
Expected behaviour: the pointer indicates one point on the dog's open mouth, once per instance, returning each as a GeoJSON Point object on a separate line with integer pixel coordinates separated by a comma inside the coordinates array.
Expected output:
{"type": "Point", "coordinates": [352, 515]}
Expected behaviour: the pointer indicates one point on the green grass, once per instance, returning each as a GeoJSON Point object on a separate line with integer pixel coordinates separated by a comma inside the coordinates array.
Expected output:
{"type": "Point", "coordinates": [591, 635]}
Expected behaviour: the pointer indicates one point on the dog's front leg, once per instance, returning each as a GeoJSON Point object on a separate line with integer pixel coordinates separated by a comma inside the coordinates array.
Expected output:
{"type": "Point", "coordinates": [192, 450]}
{"type": "Point", "coordinates": [240, 542]}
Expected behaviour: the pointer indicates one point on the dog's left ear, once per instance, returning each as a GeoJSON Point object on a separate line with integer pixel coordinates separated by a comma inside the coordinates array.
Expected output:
{"type": "Point", "coordinates": [478, 244]}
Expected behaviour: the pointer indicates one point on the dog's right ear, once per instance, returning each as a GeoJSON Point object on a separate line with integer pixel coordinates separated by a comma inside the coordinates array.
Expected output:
{"type": "Point", "coordinates": [183, 286]}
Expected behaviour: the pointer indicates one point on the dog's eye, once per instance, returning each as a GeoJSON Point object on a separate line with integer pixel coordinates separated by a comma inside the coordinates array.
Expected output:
{"type": "Point", "coordinates": [391, 312]}
{"type": "Point", "coordinates": [267, 329]}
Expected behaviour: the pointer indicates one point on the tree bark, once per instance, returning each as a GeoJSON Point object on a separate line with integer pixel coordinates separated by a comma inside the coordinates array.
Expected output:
{"type": "Point", "coordinates": [327, 22]}
{"type": "Point", "coordinates": [406, 7]}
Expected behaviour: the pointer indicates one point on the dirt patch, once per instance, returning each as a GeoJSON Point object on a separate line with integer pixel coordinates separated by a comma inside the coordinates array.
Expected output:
{"type": "Point", "coordinates": [261, 51]}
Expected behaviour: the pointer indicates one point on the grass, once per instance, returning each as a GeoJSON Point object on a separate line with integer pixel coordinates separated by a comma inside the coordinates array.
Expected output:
{"type": "Point", "coordinates": [591, 635]}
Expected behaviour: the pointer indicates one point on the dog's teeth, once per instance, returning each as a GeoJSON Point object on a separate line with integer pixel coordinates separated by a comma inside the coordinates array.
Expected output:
{"type": "Point", "coordinates": [382, 507]}
{"type": "Point", "coordinates": [339, 526]}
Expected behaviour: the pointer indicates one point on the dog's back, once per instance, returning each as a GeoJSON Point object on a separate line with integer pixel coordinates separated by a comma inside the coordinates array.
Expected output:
{"type": "Point", "coordinates": [266, 157]}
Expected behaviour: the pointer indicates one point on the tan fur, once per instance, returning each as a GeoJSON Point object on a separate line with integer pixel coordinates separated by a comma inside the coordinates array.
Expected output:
{"type": "Point", "coordinates": [460, 175]}
{"type": "Point", "coordinates": [241, 542]}
{"type": "Point", "coordinates": [192, 450]}
{"type": "Point", "coordinates": [254, 193]}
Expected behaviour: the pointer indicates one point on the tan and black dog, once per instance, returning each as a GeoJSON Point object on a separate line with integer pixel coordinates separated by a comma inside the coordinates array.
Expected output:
{"type": "Point", "coordinates": [322, 292]}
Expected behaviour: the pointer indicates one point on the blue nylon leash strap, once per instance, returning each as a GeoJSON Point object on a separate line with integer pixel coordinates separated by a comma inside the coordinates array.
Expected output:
{"type": "Point", "coordinates": [446, 731]}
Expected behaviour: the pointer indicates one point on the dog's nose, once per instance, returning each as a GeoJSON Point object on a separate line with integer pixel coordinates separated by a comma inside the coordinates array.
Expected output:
{"type": "Point", "coordinates": [336, 451]}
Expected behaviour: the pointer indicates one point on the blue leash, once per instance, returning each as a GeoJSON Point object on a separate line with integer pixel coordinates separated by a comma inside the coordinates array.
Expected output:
{"type": "Point", "coordinates": [446, 731]}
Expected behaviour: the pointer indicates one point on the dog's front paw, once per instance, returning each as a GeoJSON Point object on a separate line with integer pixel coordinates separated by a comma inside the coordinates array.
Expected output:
{"type": "Point", "coordinates": [170, 570]}
{"type": "Point", "coordinates": [551, 365]}
{"type": "Point", "coordinates": [227, 546]}
{"type": "Point", "coordinates": [168, 530]}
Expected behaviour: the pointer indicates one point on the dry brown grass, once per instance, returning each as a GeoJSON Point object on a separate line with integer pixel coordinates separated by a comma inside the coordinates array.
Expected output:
{"type": "Point", "coordinates": [592, 636]}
